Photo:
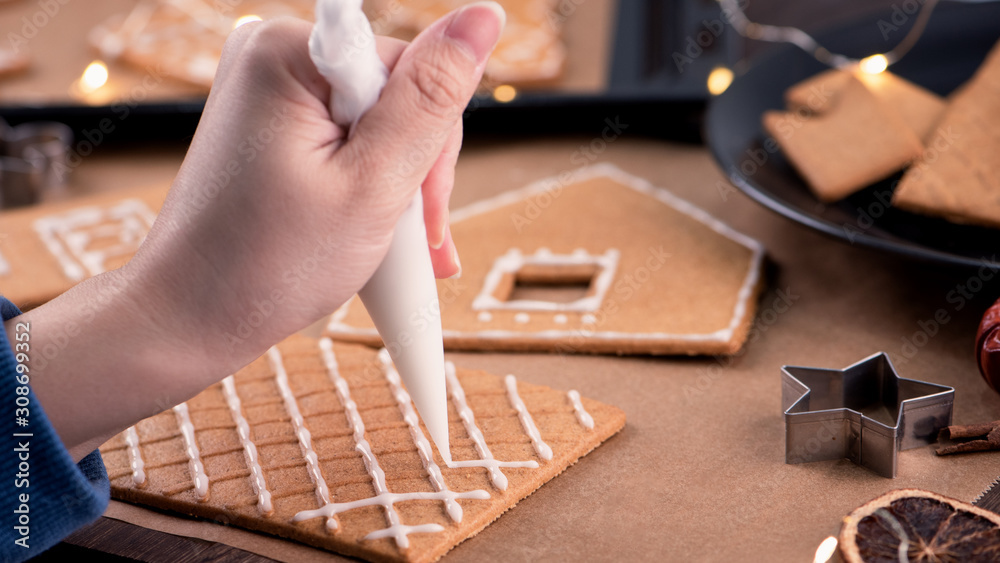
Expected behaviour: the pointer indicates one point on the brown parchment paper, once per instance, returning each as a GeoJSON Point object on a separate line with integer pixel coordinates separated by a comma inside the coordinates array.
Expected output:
{"type": "Point", "coordinates": [698, 473]}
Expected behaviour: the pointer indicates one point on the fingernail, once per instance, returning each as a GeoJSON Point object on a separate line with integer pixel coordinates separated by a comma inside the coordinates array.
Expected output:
{"type": "Point", "coordinates": [438, 241]}
{"type": "Point", "coordinates": [454, 255]}
{"type": "Point", "coordinates": [477, 28]}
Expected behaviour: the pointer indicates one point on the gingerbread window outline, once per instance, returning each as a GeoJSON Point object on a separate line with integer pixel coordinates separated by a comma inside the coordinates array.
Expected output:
{"type": "Point", "coordinates": [506, 267]}
{"type": "Point", "coordinates": [66, 237]}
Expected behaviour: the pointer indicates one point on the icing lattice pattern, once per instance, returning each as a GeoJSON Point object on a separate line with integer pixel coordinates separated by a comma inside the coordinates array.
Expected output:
{"type": "Point", "coordinates": [183, 38]}
{"type": "Point", "coordinates": [86, 240]}
{"type": "Point", "coordinates": [314, 440]}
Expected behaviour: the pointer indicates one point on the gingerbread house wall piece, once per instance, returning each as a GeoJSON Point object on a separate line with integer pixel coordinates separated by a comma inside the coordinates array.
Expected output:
{"type": "Point", "coordinates": [50, 248]}
{"type": "Point", "coordinates": [611, 263]}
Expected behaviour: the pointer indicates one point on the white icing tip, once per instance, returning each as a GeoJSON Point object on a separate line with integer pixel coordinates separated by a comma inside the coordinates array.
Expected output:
{"type": "Point", "coordinates": [445, 453]}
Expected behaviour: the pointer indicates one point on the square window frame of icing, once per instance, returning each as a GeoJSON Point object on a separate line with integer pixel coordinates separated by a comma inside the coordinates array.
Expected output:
{"type": "Point", "coordinates": [506, 267]}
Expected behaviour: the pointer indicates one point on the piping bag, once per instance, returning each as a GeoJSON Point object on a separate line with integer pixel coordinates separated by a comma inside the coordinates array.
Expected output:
{"type": "Point", "coordinates": [342, 47]}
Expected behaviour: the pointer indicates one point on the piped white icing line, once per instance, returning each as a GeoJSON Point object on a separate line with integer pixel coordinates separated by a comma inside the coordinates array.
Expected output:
{"type": "Point", "coordinates": [299, 424]}
{"type": "Point", "coordinates": [68, 236]}
{"type": "Point", "coordinates": [541, 448]}
{"type": "Point", "coordinates": [197, 470]}
{"type": "Point", "coordinates": [486, 460]}
{"type": "Point", "coordinates": [513, 260]}
{"type": "Point", "coordinates": [258, 482]}
{"type": "Point", "coordinates": [740, 310]}
{"type": "Point", "coordinates": [582, 415]}
{"type": "Point", "coordinates": [453, 509]}
{"type": "Point", "coordinates": [397, 530]}
{"type": "Point", "coordinates": [135, 457]}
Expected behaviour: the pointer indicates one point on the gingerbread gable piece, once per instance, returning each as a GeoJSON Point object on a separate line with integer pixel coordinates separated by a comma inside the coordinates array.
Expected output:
{"type": "Point", "coordinates": [47, 249]}
{"type": "Point", "coordinates": [594, 261]}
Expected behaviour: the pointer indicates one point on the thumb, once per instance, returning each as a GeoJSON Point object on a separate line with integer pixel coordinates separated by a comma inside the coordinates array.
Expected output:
{"type": "Point", "coordinates": [427, 91]}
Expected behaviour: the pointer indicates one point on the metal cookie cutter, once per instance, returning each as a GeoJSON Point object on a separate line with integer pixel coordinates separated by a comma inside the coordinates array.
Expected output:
{"type": "Point", "coordinates": [864, 412]}
{"type": "Point", "coordinates": [33, 158]}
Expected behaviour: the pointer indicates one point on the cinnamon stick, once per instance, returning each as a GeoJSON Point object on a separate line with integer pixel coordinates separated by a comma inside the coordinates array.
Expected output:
{"type": "Point", "coordinates": [978, 438]}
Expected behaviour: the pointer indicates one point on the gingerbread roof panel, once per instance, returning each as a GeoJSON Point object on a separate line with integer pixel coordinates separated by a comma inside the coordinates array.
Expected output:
{"type": "Point", "coordinates": [319, 442]}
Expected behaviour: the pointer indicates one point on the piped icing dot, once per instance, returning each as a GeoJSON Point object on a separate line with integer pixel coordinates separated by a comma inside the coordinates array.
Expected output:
{"type": "Point", "coordinates": [560, 319]}
{"type": "Point", "coordinates": [522, 318]}
{"type": "Point", "coordinates": [484, 317]}
{"type": "Point", "coordinates": [588, 319]}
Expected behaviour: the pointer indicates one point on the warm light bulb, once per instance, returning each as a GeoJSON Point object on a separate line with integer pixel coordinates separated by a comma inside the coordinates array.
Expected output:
{"type": "Point", "coordinates": [719, 79]}
{"type": "Point", "coordinates": [874, 64]}
{"type": "Point", "coordinates": [825, 550]}
{"type": "Point", "coordinates": [504, 93]}
{"type": "Point", "coordinates": [246, 19]}
{"type": "Point", "coordinates": [94, 77]}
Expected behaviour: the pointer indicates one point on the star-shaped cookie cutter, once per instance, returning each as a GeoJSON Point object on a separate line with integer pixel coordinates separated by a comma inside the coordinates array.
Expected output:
{"type": "Point", "coordinates": [864, 412]}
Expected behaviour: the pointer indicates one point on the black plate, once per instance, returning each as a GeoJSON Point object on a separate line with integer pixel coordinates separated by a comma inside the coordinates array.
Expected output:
{"type": "Point", "coordinates": [954, 44]}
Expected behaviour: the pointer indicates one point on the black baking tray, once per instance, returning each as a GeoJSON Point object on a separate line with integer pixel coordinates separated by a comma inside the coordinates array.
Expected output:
{"type": "Point", "coordinates": [647, 91]}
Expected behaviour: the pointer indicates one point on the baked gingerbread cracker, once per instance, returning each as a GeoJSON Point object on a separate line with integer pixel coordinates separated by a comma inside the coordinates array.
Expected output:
{"type": "Point", "coordinates": [49, 248]}
{"type": "Point", "coordinates": [530, 49]}
{"type": "Point", "coordinates": [958, 177]}
{"type": "Point", "coordinates": [920, 108]}
{"type": "Point", "coordinates": [594, 261]}
{"type": "Point", "coordinates": [848, 140]}
{"type": "Point", "coordinates": [319, 443]}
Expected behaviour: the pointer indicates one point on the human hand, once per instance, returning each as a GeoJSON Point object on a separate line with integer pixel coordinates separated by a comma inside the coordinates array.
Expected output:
{"type": "Point", "coordinates": [274, 220]}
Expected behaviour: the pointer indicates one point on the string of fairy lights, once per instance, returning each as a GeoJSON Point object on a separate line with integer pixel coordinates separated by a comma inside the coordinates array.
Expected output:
{"type": "Point", "coordinates": [874, 63]}
{"type": "Point", "coordinates": [720, 78]}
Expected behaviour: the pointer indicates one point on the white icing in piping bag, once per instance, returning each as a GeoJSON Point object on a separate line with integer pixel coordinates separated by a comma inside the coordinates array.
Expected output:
{"type": "Point", "coordinates": [401, 296]}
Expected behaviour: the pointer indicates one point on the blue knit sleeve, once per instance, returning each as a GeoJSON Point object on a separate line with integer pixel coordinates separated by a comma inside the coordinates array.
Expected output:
{"type": "Point", "coordinates": [45, 495]}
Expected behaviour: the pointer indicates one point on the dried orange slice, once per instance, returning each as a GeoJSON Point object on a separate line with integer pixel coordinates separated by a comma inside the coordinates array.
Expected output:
{"type": "Point", "coordinates": [919, 527]}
